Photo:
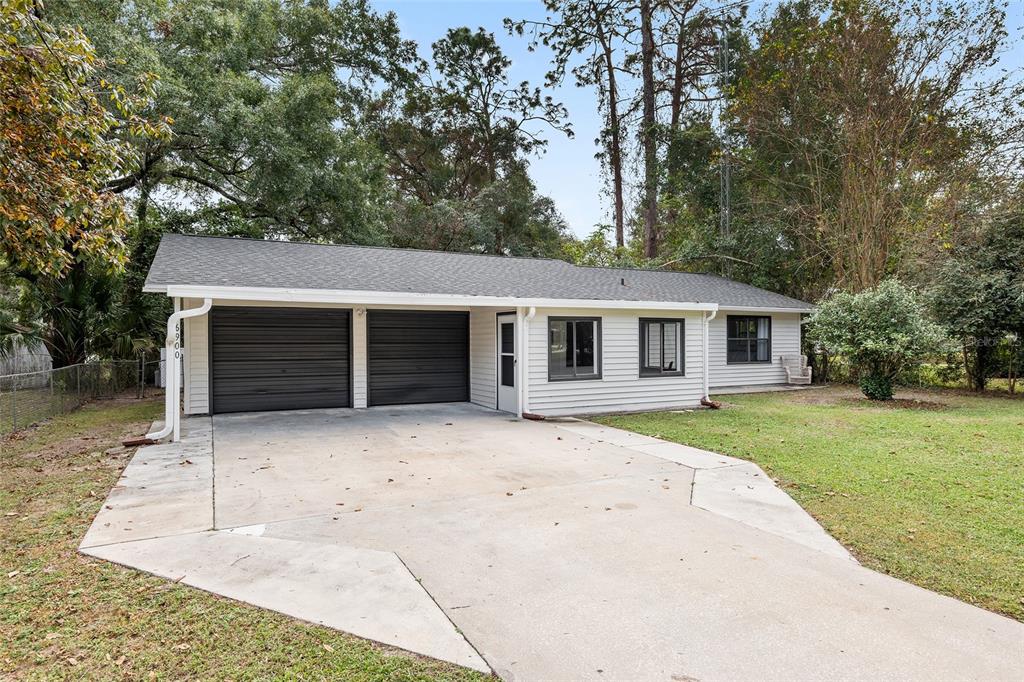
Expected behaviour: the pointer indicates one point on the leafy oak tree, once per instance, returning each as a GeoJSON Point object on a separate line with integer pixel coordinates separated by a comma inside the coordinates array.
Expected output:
{"type": "Point", "coordinates": [268, 99]}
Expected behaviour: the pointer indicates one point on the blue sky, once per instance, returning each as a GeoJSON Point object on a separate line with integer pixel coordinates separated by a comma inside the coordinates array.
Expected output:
{"type": "Point", "coordinates": [568, 171]}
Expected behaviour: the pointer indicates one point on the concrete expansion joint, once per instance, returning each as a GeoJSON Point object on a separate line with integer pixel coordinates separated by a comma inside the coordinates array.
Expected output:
{"type": "Point", "coordinates": [419, 581]}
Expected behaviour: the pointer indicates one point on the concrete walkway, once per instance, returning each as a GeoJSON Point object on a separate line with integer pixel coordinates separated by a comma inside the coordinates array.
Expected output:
{"type": "Point", "coordinates": [553, 550]}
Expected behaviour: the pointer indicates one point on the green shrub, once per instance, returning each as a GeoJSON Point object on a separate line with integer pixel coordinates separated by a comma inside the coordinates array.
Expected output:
{"type": "Point", "coordinates": [881, 331]}
{"type": "Point", "coordinates": [876, 387]}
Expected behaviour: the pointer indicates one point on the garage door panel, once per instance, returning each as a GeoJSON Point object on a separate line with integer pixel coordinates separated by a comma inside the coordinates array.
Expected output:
{"type": "Point", "coordinates": [417, 357]}
{"type": "Point", "coordinates": [279, 358]}
{"type": "Point", "coordinates": [403, 352]}
{"type": "Point", "coordinates": [291, 368]}
{"type": "Point", "coordinates": [450, 379]}
{"type": "Point", "coordinates": [255, 402]}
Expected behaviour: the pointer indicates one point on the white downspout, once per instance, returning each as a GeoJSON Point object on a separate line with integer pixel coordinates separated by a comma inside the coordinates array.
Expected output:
{"type": "Point", "coordinates": [707, 369]}
{"type": "Point", "coordinates": [172, 418]}
{"type": "Point", "coordinates": [519, 362]}
{"type": "Point", "coordinates": [524, 385]}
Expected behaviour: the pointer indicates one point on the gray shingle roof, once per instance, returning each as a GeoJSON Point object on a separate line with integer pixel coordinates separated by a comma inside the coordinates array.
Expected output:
{"type": "Point", "coordinates": [185, 260]}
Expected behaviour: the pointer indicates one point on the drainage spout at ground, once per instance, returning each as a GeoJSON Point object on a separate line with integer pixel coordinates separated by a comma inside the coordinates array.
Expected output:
{"type": "Point", "coordinates": [172, 368]}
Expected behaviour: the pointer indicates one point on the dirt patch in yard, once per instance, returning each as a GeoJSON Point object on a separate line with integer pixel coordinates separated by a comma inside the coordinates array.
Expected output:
{"type": "Point", "coordinates": [898, 404]}
{"type": "Point", "coordinates": [847, 395]}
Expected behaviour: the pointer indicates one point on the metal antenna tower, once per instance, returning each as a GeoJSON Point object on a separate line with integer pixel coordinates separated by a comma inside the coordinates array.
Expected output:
{"type": "Point", "coordinates": [724, 162]}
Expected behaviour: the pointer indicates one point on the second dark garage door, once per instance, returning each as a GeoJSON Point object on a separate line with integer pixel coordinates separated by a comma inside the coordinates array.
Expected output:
{"type": "Point", "coordinates": [279, 358]}
{"type": "Point", "coordinates": [417, 357]}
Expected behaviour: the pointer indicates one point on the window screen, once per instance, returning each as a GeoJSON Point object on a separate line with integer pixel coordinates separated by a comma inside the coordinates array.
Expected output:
{"type": "Point", "coordinates": [661, 346]}
{"type": "Point", "coordinates": [574, 348]}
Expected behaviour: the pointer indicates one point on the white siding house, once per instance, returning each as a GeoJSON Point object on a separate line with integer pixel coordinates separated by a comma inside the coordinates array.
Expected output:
{"type": "Point", "coordinates": [282, 325]}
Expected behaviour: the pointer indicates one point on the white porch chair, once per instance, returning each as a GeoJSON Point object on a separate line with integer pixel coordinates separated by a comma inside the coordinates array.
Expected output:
{"type": "Point", "coordinates": [797, 371]}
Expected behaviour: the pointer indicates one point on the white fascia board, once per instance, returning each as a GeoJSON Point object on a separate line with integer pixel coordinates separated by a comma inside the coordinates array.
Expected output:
{"type": "Point", "coordinates": [757, 309]}
{"type": "Point", "coordinates": [407, 298]}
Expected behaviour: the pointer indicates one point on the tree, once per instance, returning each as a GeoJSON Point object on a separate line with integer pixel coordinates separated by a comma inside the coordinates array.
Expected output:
{"type": "Point", "coordinates": [881, 331]}
{"type": "Point", "coordinates": [461, 139]}
{"type": "Point", "coordinates": [268, 99]}
{"type": "Point", "coordinates": [59, 123]}
{"type": "Point", "coordinates": [508, 217]}
{"type": "Point", "coordinates": [648, 131]}
{"type": "Point", "coordinates": [595, 250]}
{"type": "Point", "coordinates": [593, 29]}
{"type": "Point", "coordinates": [863, 119]}
{"type": "Point", "coordinates": [977, 292]}
{"type": "Point", "coordinates": [655, 66]}
{"type": "Point", "coordinates": [465, 126]}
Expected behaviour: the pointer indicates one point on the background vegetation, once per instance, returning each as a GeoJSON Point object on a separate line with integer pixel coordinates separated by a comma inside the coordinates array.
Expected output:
{"type": "Point", "coordinates": [823, 147]}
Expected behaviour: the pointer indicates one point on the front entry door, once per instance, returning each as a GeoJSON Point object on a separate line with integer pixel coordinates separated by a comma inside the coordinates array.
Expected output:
{"type": "Point", "coordinates": [507, 394]}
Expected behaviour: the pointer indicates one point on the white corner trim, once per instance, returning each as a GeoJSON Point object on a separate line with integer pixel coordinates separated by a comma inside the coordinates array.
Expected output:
{"type": "Point", "coordinates": [355, 297]}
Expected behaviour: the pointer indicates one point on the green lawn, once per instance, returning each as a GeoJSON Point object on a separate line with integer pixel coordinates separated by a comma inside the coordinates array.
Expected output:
{"type": "Point", "coordinates": [934, 496]}
{"type": "Point", "coordinates": [64, 615]}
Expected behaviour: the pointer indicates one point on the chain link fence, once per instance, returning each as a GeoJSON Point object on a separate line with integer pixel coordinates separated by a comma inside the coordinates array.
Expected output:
{"type": "Point", "coordinates": [30, 397]}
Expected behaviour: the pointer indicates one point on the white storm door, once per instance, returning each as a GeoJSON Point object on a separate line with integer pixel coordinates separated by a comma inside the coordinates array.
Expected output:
{"type": "Point", "coordinates": [507, 394]}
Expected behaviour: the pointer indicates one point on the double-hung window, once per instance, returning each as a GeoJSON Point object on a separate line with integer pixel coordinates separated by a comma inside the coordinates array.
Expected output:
{"type": "Point", "coordinates": [661, 347]}
{"type": "Point", "coordinates": [574, 348]}
{"type": "Point", "coordinates": [748, 339]}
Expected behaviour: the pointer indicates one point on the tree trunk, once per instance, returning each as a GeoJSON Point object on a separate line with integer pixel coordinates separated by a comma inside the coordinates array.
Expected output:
{"type": "Point", "coordinates": [982, 363]}
{"type": "Point", "coordinates": [614, 142]}
{"type": "Point", "coordinates": [142, 208]}
{"type": "Point", "coordinates": [650, 195]}
{"type": "Point", "coordinates": [677, 78]}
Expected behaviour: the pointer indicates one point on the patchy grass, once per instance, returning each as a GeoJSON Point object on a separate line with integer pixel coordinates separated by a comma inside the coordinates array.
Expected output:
{"type": "Point", "coordinates": [69, 616]}
{"type": "Point", "coordinates": [932, 494]}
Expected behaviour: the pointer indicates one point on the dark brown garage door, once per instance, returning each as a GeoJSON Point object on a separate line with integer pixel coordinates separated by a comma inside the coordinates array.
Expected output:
{"type": "Point", "coordinates": [279, 358]}
{"type": "Point", "coordinates": [417, 357]}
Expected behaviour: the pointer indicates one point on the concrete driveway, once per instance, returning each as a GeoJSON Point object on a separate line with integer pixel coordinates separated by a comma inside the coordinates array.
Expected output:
{"type": "Point", "coordinates": [551, 550]}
